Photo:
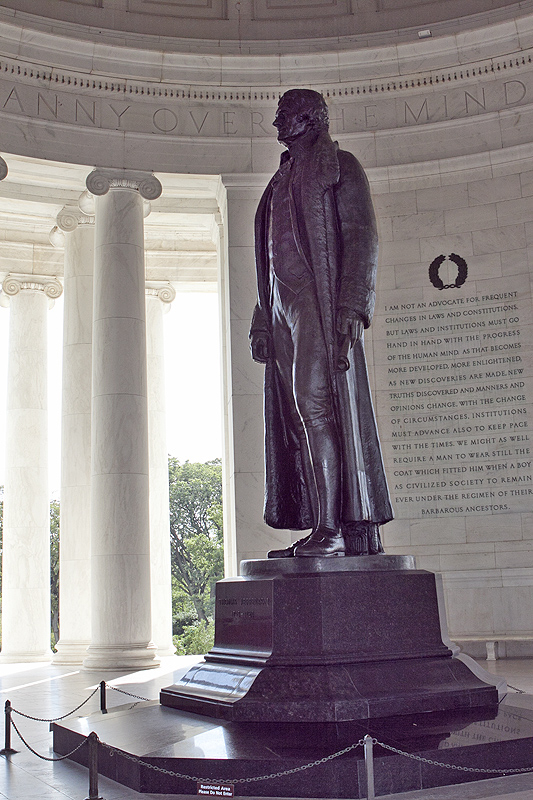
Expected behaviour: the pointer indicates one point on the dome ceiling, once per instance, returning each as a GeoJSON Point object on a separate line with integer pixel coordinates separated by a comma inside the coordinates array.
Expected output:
{"type": "Point", "coordinates": [271, 21]}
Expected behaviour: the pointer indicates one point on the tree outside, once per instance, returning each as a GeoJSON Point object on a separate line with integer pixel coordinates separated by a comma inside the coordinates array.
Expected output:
{"type": "Point", "coordinates": [54, 570]}
{"type": "Point", "coordinates": [197, 555]}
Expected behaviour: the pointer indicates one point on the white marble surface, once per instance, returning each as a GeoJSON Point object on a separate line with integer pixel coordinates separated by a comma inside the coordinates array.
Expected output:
{"type": "Point", "coordinates": [485, 557]}
{"type": "Point", "coordinates": [120, 524]}
{"type": "Point", "coordinates": [75, 523]}
{"type": "Point", "coordinates": [25, 548]}
{"type": "Point", "coordinates": [392, 99]}
{"type": "Point", "coordinates": [161, 589]}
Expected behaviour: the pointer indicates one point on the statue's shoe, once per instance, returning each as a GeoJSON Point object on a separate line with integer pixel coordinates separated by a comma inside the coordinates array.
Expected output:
{"type": "Point", "coordinates": [322, 543]}
{"type": "Point", "coordinates": [287, 552]}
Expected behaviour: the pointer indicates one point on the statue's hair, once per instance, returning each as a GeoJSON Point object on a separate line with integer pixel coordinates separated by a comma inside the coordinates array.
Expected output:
{"type": "Point", "coordinates": [310, 102]}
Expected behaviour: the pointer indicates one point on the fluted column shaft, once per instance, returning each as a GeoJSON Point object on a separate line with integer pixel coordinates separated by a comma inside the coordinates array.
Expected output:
{"type": "Point", "coordinates": [75, 549]}
{"type": "Point", "coordinates": [158, 299]}
{"type": "Point", "coordinates": [121, 606]}
{"type": "Point", "coordinates": [26, 535]}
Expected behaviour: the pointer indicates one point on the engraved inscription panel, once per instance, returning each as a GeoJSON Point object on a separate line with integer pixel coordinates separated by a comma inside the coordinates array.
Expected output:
{"type": "Point", "coordinates": [456, 389]}
{"type": "Point", "coordinates": [244, 614]}
{"type": "Point", "coordinates": [179, 110]}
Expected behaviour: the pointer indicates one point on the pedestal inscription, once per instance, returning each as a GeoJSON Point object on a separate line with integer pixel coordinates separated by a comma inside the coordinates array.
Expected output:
{"type": "Point", "coordinates": [244, 615]}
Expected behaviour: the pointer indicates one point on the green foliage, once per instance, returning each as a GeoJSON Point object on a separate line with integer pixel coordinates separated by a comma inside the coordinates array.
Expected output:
{"type": "Point", "coordinates": [54, 569]}
{"type": "Point", "coordinates": [196, 538]}
{"type": "Point", "coordinates": [196, 639]}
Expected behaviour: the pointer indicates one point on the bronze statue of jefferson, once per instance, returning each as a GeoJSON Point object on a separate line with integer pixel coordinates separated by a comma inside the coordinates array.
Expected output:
{"type": "Point", "coordinates": [316, 258]}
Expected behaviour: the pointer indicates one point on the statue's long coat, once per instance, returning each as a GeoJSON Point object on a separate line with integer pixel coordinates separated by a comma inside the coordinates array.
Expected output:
{"type": "Point", "coordinates": [335, 231]}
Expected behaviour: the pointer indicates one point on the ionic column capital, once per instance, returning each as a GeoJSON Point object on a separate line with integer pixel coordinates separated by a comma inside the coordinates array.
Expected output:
{"type": "Point", "coordinates": [100, 181]}
{"type": "Point", "coordinates": [163, 290]}
{"type": "Point", "coordinates": [86, 203]}
{"type": "Point", "coordinates": [3, 169]}
{"type": "Point", "coordinates": [70, 217]}
{"type": "Point", "coordinates": [14, 283]}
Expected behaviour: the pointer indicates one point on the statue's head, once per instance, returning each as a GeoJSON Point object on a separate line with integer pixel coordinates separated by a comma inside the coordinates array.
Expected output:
{"type": "Point", "coordinates": [300, 110]}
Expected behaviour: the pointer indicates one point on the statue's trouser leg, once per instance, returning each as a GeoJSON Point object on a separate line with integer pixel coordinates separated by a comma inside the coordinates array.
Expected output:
{"type": "Point", "coordinates": [325, 459]}
{"type": "Point", "coordinates": [309, 476]}
{"type": "Point", "coordinates": [375, 546]}
{"type": "Point", "coordinates": [288, 552]}
{"type": "Point", "coordinates": [302, 361]}
{"type": "Point", "coordinates": [326, 538]}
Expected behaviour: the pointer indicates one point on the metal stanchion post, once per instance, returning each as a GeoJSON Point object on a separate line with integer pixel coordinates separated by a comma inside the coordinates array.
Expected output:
{"type": "Point", "coordinates": [7, 731]}
{"type": "Point", "coordinates": [103, 706]}
{"type": "Point", "coordinates": [369, 764]}
{"type": "Point", "coordinates": [92, 741]}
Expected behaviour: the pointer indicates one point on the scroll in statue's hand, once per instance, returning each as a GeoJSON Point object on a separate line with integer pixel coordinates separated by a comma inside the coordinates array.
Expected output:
{"type": "Point", "coordinates": [260, 346]}
{"type": "Point", "coordinates": [349, 324]}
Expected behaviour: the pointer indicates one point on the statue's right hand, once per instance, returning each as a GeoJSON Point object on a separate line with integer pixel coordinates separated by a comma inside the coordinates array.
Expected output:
{"type": "Point", "coordinates": [260, 346]}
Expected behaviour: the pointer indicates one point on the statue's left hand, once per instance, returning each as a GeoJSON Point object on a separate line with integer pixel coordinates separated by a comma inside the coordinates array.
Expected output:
{"type": "Point", "coordinates": [260, 346]}
{"type": "Point", "coordinates": [349, 323]}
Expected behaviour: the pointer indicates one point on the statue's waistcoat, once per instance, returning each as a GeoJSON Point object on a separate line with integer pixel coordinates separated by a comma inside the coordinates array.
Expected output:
{"type": "Point", "coordinates": [286, 262]}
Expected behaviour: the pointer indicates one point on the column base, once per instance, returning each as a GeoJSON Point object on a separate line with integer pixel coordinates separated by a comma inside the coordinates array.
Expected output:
{"type": "Point", "coordinates": [70, 653]}
{"type": "Point", "coordinates": [130, 658]}
{"type": "Point", "coordinates": [163, 652]}
{"type": "Point", "coordinates": [25, 657]}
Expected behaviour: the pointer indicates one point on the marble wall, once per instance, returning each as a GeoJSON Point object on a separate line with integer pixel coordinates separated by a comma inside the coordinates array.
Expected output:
{"type": "Point", "coordinates": [452, 370]}
{"type": "Point", "coordinates": [250, 24]}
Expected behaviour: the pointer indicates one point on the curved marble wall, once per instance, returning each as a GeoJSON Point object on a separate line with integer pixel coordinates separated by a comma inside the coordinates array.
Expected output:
{"type": "Point", "coordinates": [77, 100]}
{"type": "Point", "coordinates": [444, 127]}
{"type": "Point", "coordinates": [261, 23]}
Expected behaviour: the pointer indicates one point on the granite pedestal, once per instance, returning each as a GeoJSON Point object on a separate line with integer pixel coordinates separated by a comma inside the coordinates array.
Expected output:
{"type": "Point", "coordinates": [329, 640]}
{"type": "Point", "coordinates": [486, 739]}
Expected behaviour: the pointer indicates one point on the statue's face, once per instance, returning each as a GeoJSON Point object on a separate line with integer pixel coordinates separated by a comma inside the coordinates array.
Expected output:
{"type": "Point", "coordinates": [290, 122]}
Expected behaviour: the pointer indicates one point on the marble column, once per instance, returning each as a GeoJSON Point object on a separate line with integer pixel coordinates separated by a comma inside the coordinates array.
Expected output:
{"type": "Point", "coordinates": [159, 296]}
{"type": "Point", "coordinates": [120, 535]}
{"type": "Point", "coordinates": [228, 458]}
{"type": "Point", "coordinates": [26, 535]}
{"type": "Point", "coordinates": [246, 535]}
{"type": "Point", "coordinates": [75, 536]}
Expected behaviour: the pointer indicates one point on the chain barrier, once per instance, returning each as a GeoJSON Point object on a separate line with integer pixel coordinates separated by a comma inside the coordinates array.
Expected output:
{"type": "Point", "coordinates": [367, 743]}
{"type": "Point", "coordinates": [452, 766]}
{"type": "Point", "coordinates": [520, 691]}
{"type": "Point", "coordinates": [255, 779]}
{"type": "Point", "coordinates": [64, 716]}
{"type": "Point", "coordinates": [123, 691]}
{"type": "Point", "coordinates": [46, 758]}
{"type": "Point", "coordinates": [56, 719]}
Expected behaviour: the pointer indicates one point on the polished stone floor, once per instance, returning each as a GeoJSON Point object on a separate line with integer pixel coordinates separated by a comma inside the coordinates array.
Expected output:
{"type": "Point", "coordinates": [48, 691]}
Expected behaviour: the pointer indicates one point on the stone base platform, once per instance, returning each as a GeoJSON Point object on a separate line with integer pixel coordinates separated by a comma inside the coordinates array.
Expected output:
{"type": "Point", "coordinates": [198, 746]}
{"type": "Point", "coordinates": [329, 640]}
